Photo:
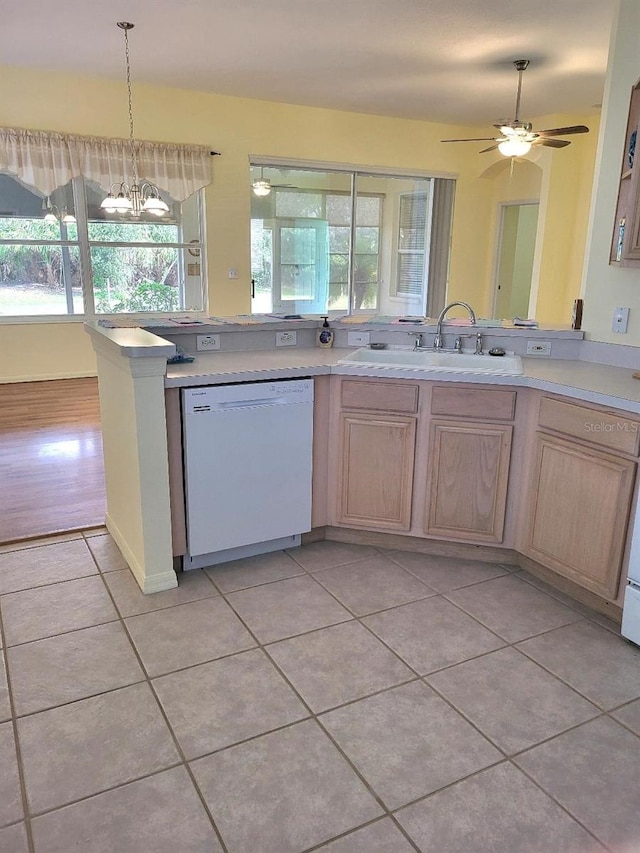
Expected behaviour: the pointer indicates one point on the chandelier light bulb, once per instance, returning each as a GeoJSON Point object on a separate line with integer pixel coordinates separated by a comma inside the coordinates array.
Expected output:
{"type": "Point", "coordinates": [261, 187]}
{"type": "Point", "coordinates": [155, 205]}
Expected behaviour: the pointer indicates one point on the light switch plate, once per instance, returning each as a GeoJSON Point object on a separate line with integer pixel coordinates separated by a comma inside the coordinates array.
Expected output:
{"type": "Point", "coordinates": [620, 320]}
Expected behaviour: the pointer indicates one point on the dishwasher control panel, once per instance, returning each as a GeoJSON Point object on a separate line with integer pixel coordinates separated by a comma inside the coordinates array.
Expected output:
{"type": "Point", "coordinates": [221, 397]}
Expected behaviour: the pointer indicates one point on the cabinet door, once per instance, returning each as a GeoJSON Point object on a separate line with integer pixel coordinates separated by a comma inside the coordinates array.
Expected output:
{"type": "Point", "coordinates": [578, 510]}
{"type": "Point", "coordinates": [469, 473]}
{"type": "Point", "coordinates": [377, 470]}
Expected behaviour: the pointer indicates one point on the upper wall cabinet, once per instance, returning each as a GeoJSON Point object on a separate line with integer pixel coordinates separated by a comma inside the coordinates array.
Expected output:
{"type": "Point", "coordinates": [625, 244]}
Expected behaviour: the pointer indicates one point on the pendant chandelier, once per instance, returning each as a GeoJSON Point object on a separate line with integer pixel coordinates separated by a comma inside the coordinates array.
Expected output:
{"type": "Point", "coordinates": [53, 214]}
{"type": "Point", "coordinates": [135, 198]}
{"type": "Point", "coordinates": [261, 186]}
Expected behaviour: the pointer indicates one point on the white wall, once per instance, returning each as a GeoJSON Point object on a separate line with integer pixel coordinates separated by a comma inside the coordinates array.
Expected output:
{"type": "Point", "coordinates": [604, 287]}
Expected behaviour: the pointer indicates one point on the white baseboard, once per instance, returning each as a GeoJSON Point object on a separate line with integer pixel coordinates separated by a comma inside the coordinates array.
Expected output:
{"type": "Point", "coordinates": [147, 583]}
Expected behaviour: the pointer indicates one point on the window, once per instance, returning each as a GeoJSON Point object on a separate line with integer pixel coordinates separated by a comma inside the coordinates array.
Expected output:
{"type": "Point", "coordinates": [146, 265]}
{"type": "Point", "coordinates": [412, 244]}
{"type": "Point", "coordinates": [84, 261]}
{"type": "Point", "coordinates": [39, 260]}
{"type": "Point", "coordinates": [348, 242]}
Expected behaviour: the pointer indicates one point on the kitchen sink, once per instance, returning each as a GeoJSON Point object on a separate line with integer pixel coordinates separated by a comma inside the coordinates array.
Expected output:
{"type": "Point", "coordinates": [436, 362]}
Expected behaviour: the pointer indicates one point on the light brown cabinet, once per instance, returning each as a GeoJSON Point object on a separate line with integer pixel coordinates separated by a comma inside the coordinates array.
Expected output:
{"type": "Point", "coordinates": [469, 474]}
{"type": "Point", "coordinates": [376, 482]}
{"type": "Point", "coordinates": [469, 457]}
{"type": "Point", "coordinates": [376, 436]}
{"type": "Point", "coordinates": [580, 495]}
{"type": "Point", "coordinates": [463, 459]}
{"type": "Point", "coordinates": [445, 461]}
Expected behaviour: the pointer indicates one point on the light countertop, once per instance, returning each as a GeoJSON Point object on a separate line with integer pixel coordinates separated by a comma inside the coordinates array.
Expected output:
{"type": "Point", "coordinates": [583, 380]}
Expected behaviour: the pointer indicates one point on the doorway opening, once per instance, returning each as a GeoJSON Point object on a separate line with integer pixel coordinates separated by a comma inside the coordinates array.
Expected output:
{"type": "Point", "coordinates": [516, 243]}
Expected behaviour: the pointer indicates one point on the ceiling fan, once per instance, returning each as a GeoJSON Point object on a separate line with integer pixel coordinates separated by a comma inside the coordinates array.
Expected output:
{"type": "Point", "coordinates": [262, 186]}
{"type": "Point", "coordinates": [518, 136]}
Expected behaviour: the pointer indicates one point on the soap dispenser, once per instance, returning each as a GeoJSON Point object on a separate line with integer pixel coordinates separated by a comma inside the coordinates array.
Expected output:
{"type": "Point", "coordinates": [324, 337]}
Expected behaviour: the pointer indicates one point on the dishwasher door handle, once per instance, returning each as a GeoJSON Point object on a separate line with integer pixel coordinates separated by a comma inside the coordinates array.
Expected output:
{"type": "Point", "coordinates": [252, 404]}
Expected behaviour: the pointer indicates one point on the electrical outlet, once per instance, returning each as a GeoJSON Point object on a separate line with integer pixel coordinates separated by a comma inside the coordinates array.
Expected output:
{"type": "Point", "coordinates": [204, 343]}
{"type": "Point", "coordinates": [286, 339]}
{"type": "Point", "coordinates": [358, 339]}
{"type": "Point", "coordinates": [538, 347]}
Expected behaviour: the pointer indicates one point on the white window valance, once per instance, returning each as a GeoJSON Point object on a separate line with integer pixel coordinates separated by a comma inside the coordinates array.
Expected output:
{"type": "Point", "coordinates": [47, 161]}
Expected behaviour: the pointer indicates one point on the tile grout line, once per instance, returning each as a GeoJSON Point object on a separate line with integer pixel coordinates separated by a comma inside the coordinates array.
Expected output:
{"type": "Point", "coordinates": [350, 832]}
{"type": "Point", "coordinates": [594, 702]}
{"type": "Point", "coordinates": [312, 715]}
{"type": "Point", "coordinates": [315, 716]}
{"type": "Point", "coordinates": [505, 756]}
{"type": "Point", "coordinates": [26, 817]}
{"type": "Point", "coordinates": [558, 803]}
{"type": "Point", "coordinates": [178, 747]}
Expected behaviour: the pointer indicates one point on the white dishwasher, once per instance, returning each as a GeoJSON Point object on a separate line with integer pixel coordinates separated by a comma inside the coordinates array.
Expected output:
{"type": "Point", "coordinates": [247, 464]}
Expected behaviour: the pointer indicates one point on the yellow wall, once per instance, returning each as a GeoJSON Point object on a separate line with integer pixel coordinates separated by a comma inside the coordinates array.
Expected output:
{"type": "Point", "coordinates": [240, 128]}
{"type": "Point", "coordinates": [512, 181]}
{"type": "Point", "coordinates": [33, 351]}
{"type": "Point", "coordinates": [567, 183]}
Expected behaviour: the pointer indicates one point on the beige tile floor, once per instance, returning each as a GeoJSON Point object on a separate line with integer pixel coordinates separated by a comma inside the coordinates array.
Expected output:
{"type": "Point", "coordinates": [333, 698]}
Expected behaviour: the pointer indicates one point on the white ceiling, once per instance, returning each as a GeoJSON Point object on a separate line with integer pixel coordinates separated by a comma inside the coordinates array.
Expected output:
{"type": "Point", "coordinates": [436, 60]}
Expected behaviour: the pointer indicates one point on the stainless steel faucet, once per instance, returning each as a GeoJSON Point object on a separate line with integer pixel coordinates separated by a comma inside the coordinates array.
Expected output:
{"type": "Point", "coordinates": [478, 344]}
{"type": "Point", "coordinates": [419, 341]}
{"type": "Point", "coordinates": [437, 343]}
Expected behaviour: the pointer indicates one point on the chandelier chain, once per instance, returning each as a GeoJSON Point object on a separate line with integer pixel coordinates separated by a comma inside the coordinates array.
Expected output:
{"type": "Point", "coordinates": [132, 144]}
{"type": "Point", "coordinates": [133, 199]}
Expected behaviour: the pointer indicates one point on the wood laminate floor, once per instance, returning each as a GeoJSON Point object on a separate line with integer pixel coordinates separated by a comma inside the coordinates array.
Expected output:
{"type": "Point", "coordinates": [51, 469]}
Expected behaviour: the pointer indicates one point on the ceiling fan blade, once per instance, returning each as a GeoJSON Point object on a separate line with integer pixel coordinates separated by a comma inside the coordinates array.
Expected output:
{"type": "Point", "coordinates": [490, 148]}
{"type": "Point", "coordinates": [480, 139]}
{"type": "Point", "coordinates": [551, 143]}
{"type": "Point", "coordinates": [564, 131]}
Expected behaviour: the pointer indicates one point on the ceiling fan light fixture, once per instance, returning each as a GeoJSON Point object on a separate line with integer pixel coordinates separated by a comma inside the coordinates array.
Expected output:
{"type": "Point", "coordinates": [514, 147]}
{"type": "Point", "coordinates": [518, 136]}
{"type": "Point", "coordinates": [261, 187]}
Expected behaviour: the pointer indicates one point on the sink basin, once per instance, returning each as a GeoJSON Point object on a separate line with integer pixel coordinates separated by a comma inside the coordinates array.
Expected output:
{"type": "Point", "coordinates": [436, 362]}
